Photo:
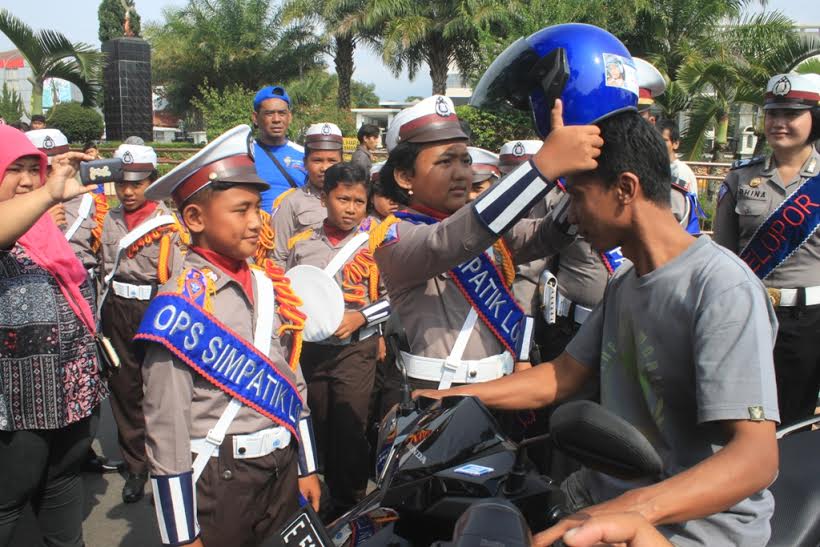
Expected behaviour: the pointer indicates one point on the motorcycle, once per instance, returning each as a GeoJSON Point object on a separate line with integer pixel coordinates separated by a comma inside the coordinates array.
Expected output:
{"type": "Point", "coordinates": [446, 475]}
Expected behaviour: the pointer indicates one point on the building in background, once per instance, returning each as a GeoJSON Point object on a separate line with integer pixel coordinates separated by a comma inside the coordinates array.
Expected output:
{"type": "Point", "coordinates": [15, 72]}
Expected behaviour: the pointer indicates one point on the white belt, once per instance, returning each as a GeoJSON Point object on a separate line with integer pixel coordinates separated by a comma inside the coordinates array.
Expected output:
{"type": "Point", "coordinates": [132, 292]}
{"type": "Point", "coordinates": [467, 372]}
{"type": "Point", "coordinates": [252, 445]}
{"type": "Point", "coordinates": [788, 297]}
{"type": "Point", "coordinates": [565, 305]}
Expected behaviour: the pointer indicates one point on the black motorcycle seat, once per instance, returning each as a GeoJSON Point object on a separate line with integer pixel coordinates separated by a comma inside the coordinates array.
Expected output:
{"type": "Point", "coordinates": [796, 492]}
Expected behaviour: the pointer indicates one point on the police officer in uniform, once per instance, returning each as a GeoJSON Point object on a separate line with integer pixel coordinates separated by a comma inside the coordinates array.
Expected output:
{"type": "Point", "coordinates": [768, 211]}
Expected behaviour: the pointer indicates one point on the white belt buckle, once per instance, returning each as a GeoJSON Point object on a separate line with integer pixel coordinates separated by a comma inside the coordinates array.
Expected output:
{"type": "Point", "coordinates": [210, 438]}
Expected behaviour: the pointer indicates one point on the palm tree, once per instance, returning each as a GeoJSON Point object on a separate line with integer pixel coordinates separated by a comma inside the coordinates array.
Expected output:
{"type": "Point", "coordinates": [50, 54]}
{"type": "Point", "coordinates": [436, 32]}
{"type": "Point", "coordinates": [748, 52]}
{"type": "Point", "coordinates": [331, 14]}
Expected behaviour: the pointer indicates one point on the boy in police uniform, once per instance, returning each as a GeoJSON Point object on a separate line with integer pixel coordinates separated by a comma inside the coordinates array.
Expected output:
{"type": "Point", "coordinates": [768, 212]}
{"type": "Point", "coordinates": [79, 218]}
{"type": "Point", "coordinates": [301, 208]}
{"type": "Point", "coordinates": [140, 248]}
{"type": "Point", "coordinates": [485, 170]}
{"type": "Point", "coordinates": [340, 369]}
{"type": "Point", "coordinates": [202, 374]}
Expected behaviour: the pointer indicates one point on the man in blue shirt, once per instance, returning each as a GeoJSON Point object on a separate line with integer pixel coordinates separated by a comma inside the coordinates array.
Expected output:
{"type": "Point", "coordinates": [279, 161]}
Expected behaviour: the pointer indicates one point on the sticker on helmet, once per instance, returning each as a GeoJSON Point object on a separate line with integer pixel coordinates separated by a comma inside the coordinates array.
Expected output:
{"type": "Point", "coordinates": [620, 72]}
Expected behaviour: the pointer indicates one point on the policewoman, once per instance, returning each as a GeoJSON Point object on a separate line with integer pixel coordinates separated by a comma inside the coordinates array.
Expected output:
{"type": "Point", "coordinates": [225, 400]}
{"type": "Point", "coordinates": [768, 212]}
{"type": "Point", "coordinates": [461, 319]}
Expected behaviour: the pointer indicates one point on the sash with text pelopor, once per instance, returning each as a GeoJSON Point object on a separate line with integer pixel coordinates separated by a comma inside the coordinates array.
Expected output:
{"type": "Point", "coordinates": [482, 285]}
{"type": "Point", "coordinates": [785, 230]}
{"type": "Point", "coordinates": [221, 356]}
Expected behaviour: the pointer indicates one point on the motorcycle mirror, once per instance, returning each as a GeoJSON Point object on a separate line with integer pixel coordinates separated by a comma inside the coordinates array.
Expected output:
{"type": "Point", "coordinates": [603, 441]}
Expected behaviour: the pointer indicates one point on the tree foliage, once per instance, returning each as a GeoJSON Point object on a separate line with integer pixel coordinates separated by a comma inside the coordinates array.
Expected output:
{"type": "Point", "coordinates": [50, 54]}
{"type": "Point", "coordinates": [111, 15]}
{"type": "Point", "coordinates": [79, 123]}
{"type": "Point", "coordinates": [227, 43]}
{"type": "Point", "coordinates": [490, 130]}
{"type": "Point", "coordinates": [313, 100]}
{"type": "Point", "coordinates": [11, 105]}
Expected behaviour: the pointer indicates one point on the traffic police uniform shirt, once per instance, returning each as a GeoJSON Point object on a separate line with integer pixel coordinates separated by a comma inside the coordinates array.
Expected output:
{"type": "Point", "coordinates": [302, 208]}
{"type": "Point", "coordinates": [415, 259]}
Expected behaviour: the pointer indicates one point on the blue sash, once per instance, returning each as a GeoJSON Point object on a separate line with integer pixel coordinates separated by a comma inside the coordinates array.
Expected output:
{"type": "Point", "coordinates": [482, 285]}
{"type": "Point", "coordinates": [222, 357]}
{"type": "Point", "coordinates": [785, 230]}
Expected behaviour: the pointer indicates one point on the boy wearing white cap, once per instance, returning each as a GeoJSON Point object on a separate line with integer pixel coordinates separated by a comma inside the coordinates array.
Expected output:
{"type": "Point", "coordinates": [221, 371]}
{"type": "Point", "coordinates": [79, 218]}
{"type": "Point", "coordinates": [485, 170]}
{"type": "Point", "coordinates": [768, 212]}
{"type": "Point", "coordinates": [301, 208]}
{"type": "Point", "coordinates": [141, 242]}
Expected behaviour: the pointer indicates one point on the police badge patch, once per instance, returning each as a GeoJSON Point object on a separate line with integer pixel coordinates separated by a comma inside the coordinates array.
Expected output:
{"type": "Point", "coordinates": [326, 129]}
{"type": "Point", "coordinates": [782, 87]}
{"type": "Point", "coordinates": [127, 158]}
{"type": "Point", "coordinates": [442, 108]}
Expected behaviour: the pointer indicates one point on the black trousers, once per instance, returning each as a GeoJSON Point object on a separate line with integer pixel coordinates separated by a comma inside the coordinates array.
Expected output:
{"type": "Point", "coordinates": [42, 467]}
{"type": "Point", "coordinates": [797, 362]}
{"type": "Point", "coordinates": [120, 319]}
{"type": "Point", "coordinates": [340, 381]}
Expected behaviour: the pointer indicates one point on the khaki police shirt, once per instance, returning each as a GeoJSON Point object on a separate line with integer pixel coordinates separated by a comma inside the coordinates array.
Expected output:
{"type": "Point", "coordinates": [180, 405]}
{"type": "Point", "coordinates": [83, 239]}
{"type": "Point", "coordinates": [415, 271]}
{"type": "Point", "coordinates": [750, 194]}
{"type": "Point", "coordinates": [143, 267]}
{"type": "Point", "coordinates": [299, 210]}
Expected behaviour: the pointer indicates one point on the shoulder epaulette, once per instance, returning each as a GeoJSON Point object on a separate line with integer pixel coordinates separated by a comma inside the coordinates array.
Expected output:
{"type": "Point", "coordinates": [740, 164]}
{"type": "Point", "coordinates": [301, 236]}
{"type": "Point", "coordinates": [278, 201]}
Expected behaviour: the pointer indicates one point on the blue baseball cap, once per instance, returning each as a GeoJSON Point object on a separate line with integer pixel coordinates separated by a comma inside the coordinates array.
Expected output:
{"type": "Point", "coordinates": [270, 92]}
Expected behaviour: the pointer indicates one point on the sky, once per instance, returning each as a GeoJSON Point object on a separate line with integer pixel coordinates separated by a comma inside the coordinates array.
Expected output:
{"type": "Point", "coordinates": [77, 19]}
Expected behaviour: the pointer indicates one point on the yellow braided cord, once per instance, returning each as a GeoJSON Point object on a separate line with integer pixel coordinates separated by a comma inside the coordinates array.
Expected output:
{"type": "Point", "coordinates": [266, 240]}
{"type": "Point", "coordinates": [379, 233]}
{"type": "Point", "coordinates": [100, 210]}
{"type": "Point", "coordinates": [163, 266]}
{"type": "Point", "coordinates": [507, 264]}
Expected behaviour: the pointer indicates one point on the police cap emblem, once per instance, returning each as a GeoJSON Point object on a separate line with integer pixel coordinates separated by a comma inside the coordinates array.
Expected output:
{"type": "Point", "coordinates": [442, 108]}
{"type": "Point", "coordinates": [518, 149]}
{"type": "Point", "coordinates": [326, 129]}
{"type": "Point", "coordinates": [127, 158]}
{"type": "Point", "coordinates": [782, 87]}
{"type": "Point", "coordinates": [48, 143]}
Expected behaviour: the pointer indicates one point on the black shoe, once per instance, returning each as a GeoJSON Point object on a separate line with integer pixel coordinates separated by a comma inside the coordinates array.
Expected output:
{"type": "Point", "coordinates": [134, 488]}
{"type": "Point", "coordinates": [101, 464]}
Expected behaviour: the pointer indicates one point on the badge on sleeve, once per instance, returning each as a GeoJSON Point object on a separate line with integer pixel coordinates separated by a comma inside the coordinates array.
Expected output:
{"type": "Point", "coordinates": [755, 182]}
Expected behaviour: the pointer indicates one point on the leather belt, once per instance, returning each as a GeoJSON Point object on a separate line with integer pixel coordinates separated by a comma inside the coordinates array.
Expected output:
{"type": "Point", "coordinates": [567, 308]}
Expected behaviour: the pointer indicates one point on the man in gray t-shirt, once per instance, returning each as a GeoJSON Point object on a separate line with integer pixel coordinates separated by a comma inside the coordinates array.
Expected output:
{"type": "Point", "coordinates": [678, 351]}
{"type": "Point", "coordinates": [682, 345]}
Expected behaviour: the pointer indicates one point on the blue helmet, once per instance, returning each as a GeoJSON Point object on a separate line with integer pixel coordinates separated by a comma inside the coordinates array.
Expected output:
{"type": "Point", "coordinates": [589, 69]}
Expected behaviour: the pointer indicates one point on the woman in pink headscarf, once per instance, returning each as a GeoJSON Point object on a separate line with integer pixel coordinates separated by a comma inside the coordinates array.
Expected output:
{"type": "Point", "coordinates": [50, 384]}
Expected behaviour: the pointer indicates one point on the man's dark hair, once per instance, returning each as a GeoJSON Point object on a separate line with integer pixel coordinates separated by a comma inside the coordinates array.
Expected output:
{"type": "Point", "coordinates": [89, 145]}
{"type": "Point", "coordinates": [631, 144]}
{"type": "Point", "coordinates": [344, 173]}
{"type": "Point", "coordinates": [22, 126]}
{"type": "Point", "coordinates": [38, 118]}
{"type": "Point", "coordinates": [401, 158]}
{"type": "Point", "coordinates": [672, 127]}
{"type": "Point", "coordinates": [368, 130]}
